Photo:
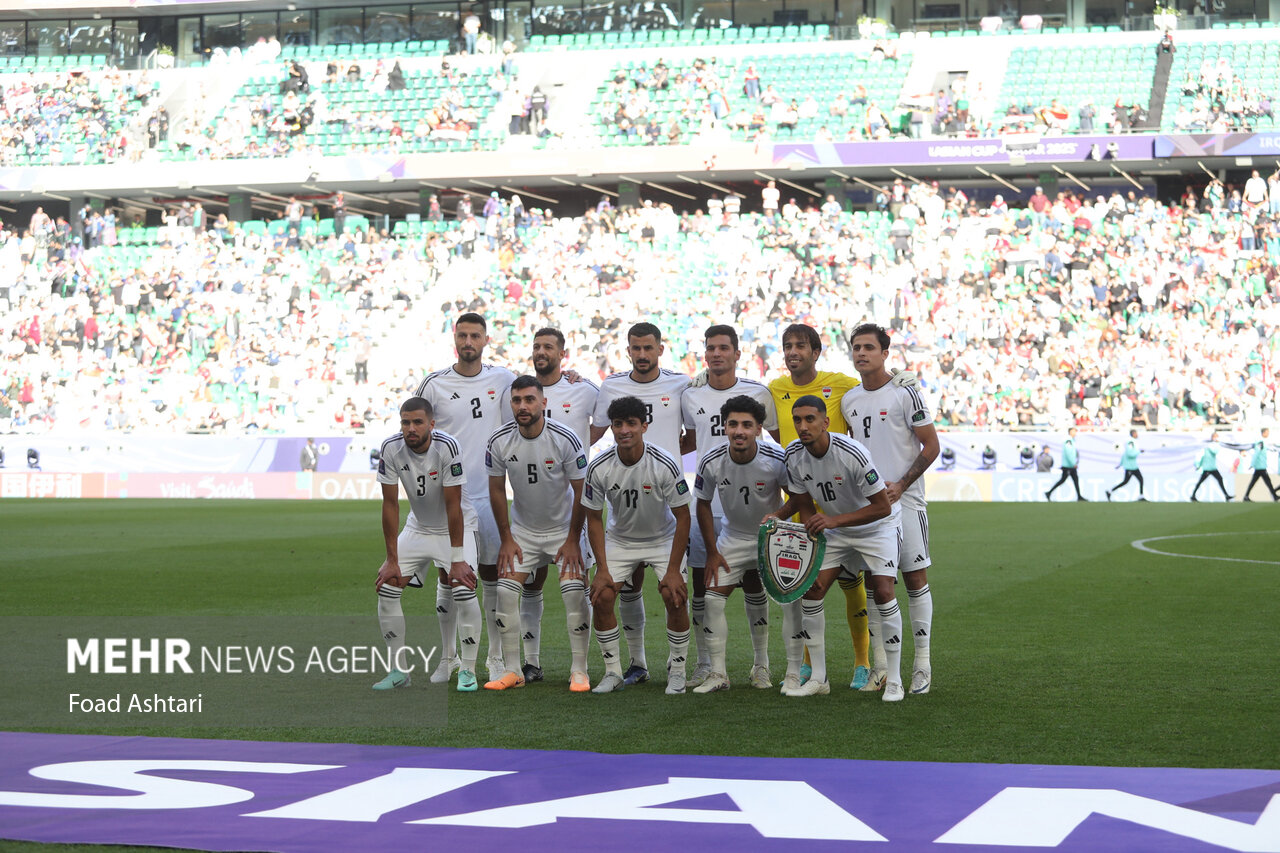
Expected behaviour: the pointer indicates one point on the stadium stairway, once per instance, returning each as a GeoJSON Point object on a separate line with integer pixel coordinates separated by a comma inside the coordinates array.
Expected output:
{"type": "Point", "coordinates": [1159, 90]}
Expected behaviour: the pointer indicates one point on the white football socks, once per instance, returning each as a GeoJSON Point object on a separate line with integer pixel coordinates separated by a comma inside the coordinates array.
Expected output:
{"type": "Point", "coordinates": [715, 630]}
{"type": "Point", "coordinates": [631, 615]}
{"type": "Point", "coordinates": [920, 602]}
{"type": "Point", "coordinates": [757, 607]}
{"type": "Point", "coordinates": [578, 619]}
{"type": "Point", "coordinates": [531, 606]}
{"type": "Point", "coordinates": [813, 626]}
{"type": "Point", "coordinates": [391, 620]}
{"type": "Point", "coordinates": [447, 616]}
{"type": "Point", "coordinates": [508, 617]}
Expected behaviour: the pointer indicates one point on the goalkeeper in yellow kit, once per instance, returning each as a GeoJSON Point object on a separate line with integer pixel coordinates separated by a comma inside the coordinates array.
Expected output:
{"type": "Point", "coordinates": [801, 348]}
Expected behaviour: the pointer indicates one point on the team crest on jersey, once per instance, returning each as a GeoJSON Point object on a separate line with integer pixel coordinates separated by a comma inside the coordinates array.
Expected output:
{"type": "Point", "coordinates": [648, 488]}
{"type": "Point", "coordinates": [917, 417]}
{"type": "Point", "coordinates": [697, 482]}
{"type": "Point", "coordinates": [434, 474]}
{"type": "Point", "coordinates": [566, 407]}
{"type": "Point", "coordinates": [582, 461]}
{"type": "Point", "coordinates": [760, 487]}
{"type": "Point", "coordinates": [665, 400]}
{"type": "Point", "coordinates": [826, 392]}
{"type": "Point", "coordinates": [839, 480]}
{"type": "Point", "coordinates": [550, 463]}
{"type": "Point", "coordinates": [456, 469]}
{"type": "Point", "coordinates": [682, 488]}
{"type": "Point", "coordinates": [493, 395]}
{"type": "Point", "coordinates": [884, 413]}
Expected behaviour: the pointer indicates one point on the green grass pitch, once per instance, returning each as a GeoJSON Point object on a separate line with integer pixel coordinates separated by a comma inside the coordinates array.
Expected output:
{"type": "Point", "coordinates": [1055, 641]}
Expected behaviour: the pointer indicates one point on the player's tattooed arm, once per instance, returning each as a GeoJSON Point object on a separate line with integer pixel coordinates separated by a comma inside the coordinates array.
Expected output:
{"type": "Point", "coordinates": [929, 449]}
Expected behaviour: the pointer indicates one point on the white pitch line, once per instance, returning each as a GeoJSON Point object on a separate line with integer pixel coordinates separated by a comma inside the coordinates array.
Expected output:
{"type": "Point", "coordinates": [1141, 545]}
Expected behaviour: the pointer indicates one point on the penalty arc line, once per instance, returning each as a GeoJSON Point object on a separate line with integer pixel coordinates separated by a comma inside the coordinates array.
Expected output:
{"type": "Point", "coordinates": [1141, 545]}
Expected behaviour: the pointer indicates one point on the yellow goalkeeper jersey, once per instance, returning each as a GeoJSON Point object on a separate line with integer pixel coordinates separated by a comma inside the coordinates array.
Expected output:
{"type": "Point", "coordinates": [829, 386]}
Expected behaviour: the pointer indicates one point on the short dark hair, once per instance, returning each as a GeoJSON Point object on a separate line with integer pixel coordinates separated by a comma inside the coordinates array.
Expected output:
{"type": "Point", "coordinates": [639, 330]}
{"type": "Point", "coordinates": [549, 331]}
{"type": "Point", "coordinates": [526, 381]}
{"type": "Point", "coordinates": [882, 336]}
{"type": "Point", "coordinates": [417, 404]}
{"type": "Point", "coordinates": [807, 333]}
{"type": "Point", "coordinates": [628, 407]}
{"type": "Point", "coordinates": [811, 400]}
{"type": "Point", "coordinates": [743, 405]}
{"type": "Point", "coordinates": [471, 317]}
{"type": "Point", "coordinates": [722, 329]}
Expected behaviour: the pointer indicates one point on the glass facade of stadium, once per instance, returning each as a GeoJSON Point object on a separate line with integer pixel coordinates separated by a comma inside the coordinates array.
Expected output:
{"type": "Point", "coordinates": [130, 39]}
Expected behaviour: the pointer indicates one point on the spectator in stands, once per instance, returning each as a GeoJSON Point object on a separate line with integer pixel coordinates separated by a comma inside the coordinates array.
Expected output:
{"type": "Point", "coordinates": [751, 82]}
{"type": "Point", "coordinates": [471, 30]}
{"type": "Point", "coordinates": [353, 72]}
{"type": "Point", "coordinates": [395, 79]}
{"type": "Point", "coordinates": [1166, 44]}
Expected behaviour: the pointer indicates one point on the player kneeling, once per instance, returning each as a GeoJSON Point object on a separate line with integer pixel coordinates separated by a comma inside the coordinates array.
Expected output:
{"type": "Point", "coordinates": [440, 530]}
{"type": "Point", "coordinates": [648, 526]}
{"type": "Point", "coordinates": [748, 476]}
{"type": "Point", "coordinates": [547, 465]}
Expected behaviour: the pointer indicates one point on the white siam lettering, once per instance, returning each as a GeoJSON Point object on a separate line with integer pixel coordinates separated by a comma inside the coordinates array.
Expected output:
{"type": "Point", "coordinates": [1044, 817]}
{"type": "Point", "coordinates": [770, 806]}
{"type": "Point", "coordinates": [147, 792]}
{"type": "Point", "coordinates": [367, 801]}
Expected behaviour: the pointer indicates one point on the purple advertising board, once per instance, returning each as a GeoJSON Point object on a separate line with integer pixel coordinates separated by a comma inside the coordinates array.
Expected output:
{"type": "Point", "coordinates": [243, 795]}
{"type": "Point", "coordinates": [1051, 149]}
{"type": "Point", "coordinates": [1218, 145]}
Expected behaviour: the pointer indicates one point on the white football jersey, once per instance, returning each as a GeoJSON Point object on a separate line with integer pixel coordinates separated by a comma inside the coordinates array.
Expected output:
{"type": "Point", "coordinates": [841, 481]}
{"type": "Point", "coordinates": [661, 398]}
{"type": "Point", "coordinates": [471, 408]}
{"type": "Point", "coordinates": [639, 495]}
{"type": "Point", "coordinates": [885, 420]}
{"type": "Point", "coordinates": [539, 470]}
{"type": "Point", "coordinates": [700, 408]}
{"type": "Point", "coordinates": [572, 404]}
{"type": "Point", "coordinates": [747, 491]}
{"type": "Point", "coordinates": [424, 476]}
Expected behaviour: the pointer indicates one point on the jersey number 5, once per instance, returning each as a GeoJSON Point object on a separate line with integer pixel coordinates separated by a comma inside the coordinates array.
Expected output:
{"type": "Point", "coordinates": [533, 473]}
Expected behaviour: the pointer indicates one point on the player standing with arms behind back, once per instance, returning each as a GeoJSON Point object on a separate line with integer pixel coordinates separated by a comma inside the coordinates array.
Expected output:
{"type": "Point", "coordinates": [571, 400]}
{"type": "Point", "coordinates": [658, 391]}
{"type": "Point", "coordinates": [440, 529]}
{"type": "Point", "coordinates": [702, 415]}
{"type": "Point", "coordinates": [896, 425]}
{"type": "Point", "coordinates": [470, 402]}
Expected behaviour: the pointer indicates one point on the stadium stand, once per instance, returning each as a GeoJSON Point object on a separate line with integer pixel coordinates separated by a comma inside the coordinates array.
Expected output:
{"type": "Point", "coordinates": [1105, 311]}
{"type": "Point", "coordinates": [1220, 86]}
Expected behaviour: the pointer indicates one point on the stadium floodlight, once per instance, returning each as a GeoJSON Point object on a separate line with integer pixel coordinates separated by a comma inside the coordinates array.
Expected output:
{"type": "Point", "coordinates": [988, 458]}
{"type": "Point", "coordinates": [33, 459]}
{"type": "Point", "coordinates": [948, 460]}
{"type": "Point", "coordinates": [1113, 150]}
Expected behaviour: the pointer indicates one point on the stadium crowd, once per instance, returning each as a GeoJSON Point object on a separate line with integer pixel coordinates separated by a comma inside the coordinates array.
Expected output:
{"type": "Point", "coordinates": [79, 116]}
{"type": "Point", "coordinates": [1098, 311]}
